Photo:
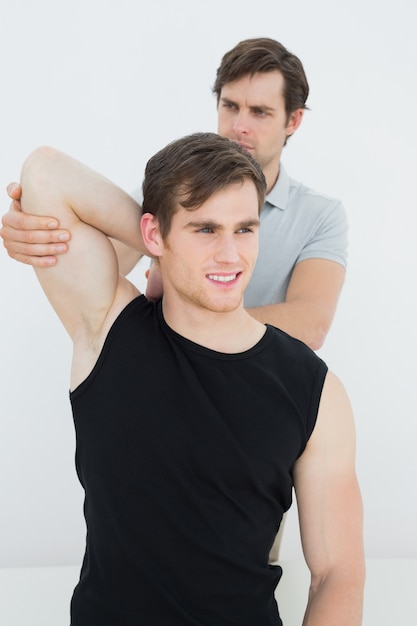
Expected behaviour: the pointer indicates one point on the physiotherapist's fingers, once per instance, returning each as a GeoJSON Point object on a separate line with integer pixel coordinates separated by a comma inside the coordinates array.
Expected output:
{"type": "Point", "coordinates": [14, 191]}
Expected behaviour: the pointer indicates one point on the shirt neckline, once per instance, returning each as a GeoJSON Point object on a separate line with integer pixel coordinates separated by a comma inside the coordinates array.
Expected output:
{"type": "Point", "coordinates": [192, 346]}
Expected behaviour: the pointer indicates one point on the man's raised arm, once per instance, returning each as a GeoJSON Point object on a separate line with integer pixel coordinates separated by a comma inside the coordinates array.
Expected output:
{"type": "Point", "coordinates": [84, 286]}
{"type": "Point", "coordinates": [38, 240]}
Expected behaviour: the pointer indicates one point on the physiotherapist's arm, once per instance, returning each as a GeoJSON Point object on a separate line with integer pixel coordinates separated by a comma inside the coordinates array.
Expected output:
{"type": "Point", "coordinates": [310, 303]}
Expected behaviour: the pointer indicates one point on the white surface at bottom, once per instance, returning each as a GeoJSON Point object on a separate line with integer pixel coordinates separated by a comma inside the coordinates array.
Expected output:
{"type": "Point", "coordinates": [41, 596]}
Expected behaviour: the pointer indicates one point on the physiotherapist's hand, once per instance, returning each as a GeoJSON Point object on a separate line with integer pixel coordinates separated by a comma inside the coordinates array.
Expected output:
{"type": "Point", "coordinates": [154, 288]}
{"type": "Point", "coordinates": [28, 238]}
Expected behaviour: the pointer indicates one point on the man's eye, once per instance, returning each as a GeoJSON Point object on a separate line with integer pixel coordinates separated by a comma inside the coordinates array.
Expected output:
{"type": "Point", "coordinates": [245, 230]}
{"type": "Point", "coordinates": [206, 229]}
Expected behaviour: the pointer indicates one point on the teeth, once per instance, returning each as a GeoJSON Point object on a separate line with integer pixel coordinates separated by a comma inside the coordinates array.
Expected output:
{"type": "Point", "coordinates": [222, 279]}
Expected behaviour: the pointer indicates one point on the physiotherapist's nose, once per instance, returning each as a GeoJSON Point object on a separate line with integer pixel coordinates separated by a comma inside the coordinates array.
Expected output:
{"type": "Point", "coordinates": [241, 124]}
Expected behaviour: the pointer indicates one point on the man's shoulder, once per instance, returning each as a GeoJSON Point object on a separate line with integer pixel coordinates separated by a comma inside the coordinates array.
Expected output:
{"type": "Point", "coordinates": [290, 194]}
{"type": "Point", "coordinates": [138, 309]}
{"type": "Point", "coordinates": [302, 193]}
{"type": "Point", "coordinates": [291, 347]}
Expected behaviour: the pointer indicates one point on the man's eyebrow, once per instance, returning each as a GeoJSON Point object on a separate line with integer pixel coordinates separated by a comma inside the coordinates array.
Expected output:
{"type": "Point", "coordinates": [253, 107]}
{"type": "Point", "coordinates": [249, 223]}
{"type": "Point", "coordinates": [217, 226]}
{"type": "Point", "coordinates": [202, 224]}
{"type": "Point", "coordinates": [227, 100]}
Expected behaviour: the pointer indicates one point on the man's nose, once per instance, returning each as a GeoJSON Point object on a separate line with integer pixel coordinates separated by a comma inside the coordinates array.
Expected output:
{"type": "Point", "coordinates": [227, 251]}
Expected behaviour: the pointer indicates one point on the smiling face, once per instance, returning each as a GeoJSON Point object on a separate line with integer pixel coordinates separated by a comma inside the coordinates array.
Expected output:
{"type": "Point", "coordinates": [251, 112]}
{"type": "Point", "coordinates": [209, 254]}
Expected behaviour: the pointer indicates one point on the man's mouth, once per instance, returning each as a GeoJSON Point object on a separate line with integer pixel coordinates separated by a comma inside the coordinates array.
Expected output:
{"type": "Point", "coordinates": [222, 278]}
{"type": "Point", "coordinates": [245, 146]}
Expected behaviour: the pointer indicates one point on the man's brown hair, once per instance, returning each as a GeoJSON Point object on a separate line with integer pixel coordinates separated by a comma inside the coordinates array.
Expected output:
{"type": "Point", "coordinates": [190, 170]}
{"type": "Point", "coordinates": [261, 55]}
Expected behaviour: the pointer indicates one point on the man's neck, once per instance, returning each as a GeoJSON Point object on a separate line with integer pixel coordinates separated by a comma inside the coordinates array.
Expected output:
{"type": "Point", "coordinates": [271, 174]}
{"type": "Point", "coordinates": [228, 332]}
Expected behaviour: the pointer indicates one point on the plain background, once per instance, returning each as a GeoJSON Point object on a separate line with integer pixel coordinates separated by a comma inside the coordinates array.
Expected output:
{"type": "Point", "coordinates": [111, 82]}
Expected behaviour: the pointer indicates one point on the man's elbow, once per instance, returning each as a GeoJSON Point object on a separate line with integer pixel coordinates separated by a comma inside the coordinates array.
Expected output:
{"type": "Point", "coordinates": [348, 574]}
{"type": "Point", "coordinates": [37, 157]}
{"type": "Point", "coordinates": [36, 175]}
{"type": "Point", "coordinates": [338, 596]}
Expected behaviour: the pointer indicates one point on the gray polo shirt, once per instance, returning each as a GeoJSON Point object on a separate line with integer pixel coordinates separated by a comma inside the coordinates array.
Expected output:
{"type": "Point", "coordinates": [297, 223]}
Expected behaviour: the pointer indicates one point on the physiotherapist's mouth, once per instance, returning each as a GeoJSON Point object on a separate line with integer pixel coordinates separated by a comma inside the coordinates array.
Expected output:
{"type": "Point", "coordinates": [245, 146]}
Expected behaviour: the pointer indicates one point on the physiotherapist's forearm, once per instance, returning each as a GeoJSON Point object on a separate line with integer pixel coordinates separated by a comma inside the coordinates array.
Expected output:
{"type": "Point", "coordinates": [304, 320]}
{"type": "Point", "coordinates": [310, 302]}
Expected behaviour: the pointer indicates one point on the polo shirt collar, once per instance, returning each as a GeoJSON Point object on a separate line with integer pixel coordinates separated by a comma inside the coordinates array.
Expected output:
{"type": "Point", "coordinates": [278, 196]}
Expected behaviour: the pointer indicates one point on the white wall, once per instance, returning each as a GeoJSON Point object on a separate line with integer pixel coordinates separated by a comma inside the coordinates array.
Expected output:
{"type": "Point", "coordinates": [112, 81]}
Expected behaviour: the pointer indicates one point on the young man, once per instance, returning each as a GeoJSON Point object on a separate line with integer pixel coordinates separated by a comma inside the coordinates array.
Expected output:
{"type": "Point", "coordinates": [261, 91]}
{"type": "Point", "coordinates": [193, 420]}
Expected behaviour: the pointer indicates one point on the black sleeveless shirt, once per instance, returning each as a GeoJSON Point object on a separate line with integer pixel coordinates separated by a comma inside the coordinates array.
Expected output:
{"type": "Point", "coordinates": [186, 456]}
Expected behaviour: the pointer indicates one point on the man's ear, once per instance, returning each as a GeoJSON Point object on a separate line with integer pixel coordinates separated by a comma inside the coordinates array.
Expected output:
{"type": "Point", "coordinates": [294, 121]}
{"type": "Point", "coordinates": [151, 235]}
